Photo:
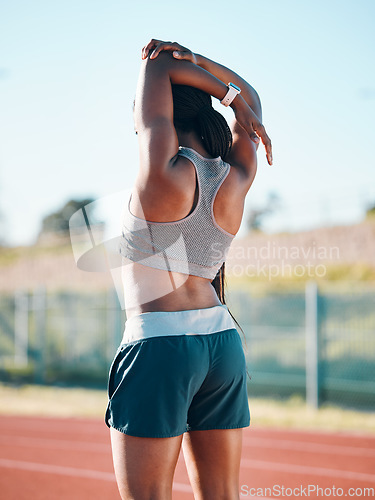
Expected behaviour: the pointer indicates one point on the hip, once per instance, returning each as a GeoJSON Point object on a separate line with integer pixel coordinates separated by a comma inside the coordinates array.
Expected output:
{"type": "Point", "coordinates": [204, 321]}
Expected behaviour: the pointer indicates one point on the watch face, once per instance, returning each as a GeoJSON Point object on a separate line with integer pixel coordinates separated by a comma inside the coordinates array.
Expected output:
{"type": "Point", "coordinates": [235, 87]}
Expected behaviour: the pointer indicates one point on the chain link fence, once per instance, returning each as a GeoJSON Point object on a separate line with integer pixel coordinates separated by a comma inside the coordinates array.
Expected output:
{"type": "Point", "coordinates": [325, 353]}
{"type": "Point", "coordinates": [286, 354]}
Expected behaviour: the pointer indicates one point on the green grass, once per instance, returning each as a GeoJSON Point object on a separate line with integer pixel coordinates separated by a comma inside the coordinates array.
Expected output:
{"type": "Point", "coordinates": [10, 255]}
{"type": "Point", "coordinates": [52, 401]}
{"type": "Point", "coordinates": [342, 276]}
{"type": "Point", "coordinates": [291, 413]}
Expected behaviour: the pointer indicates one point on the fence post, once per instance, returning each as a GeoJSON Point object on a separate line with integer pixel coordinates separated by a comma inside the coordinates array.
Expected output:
{"type": "Point", "coordinates": [40, 311]}
{"type": "Point", "coordinates": [312, 344]}
{"type": "Point", "coordinates": [114, 323]}
{"type": "Point", "coordinates": [21, 327]}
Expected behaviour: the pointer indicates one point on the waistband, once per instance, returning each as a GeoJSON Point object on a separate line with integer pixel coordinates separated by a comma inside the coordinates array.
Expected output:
{"type": "Point", "coordinates": [191, 322]}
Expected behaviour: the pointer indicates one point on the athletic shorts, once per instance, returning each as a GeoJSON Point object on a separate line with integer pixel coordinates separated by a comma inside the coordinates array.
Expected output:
{"type": "Point", "coordinates": [176, 372]}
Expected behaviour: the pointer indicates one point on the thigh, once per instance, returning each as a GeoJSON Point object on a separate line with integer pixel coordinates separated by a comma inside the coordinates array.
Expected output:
{"type": "Point", "coordinates": [144, 467]}
{"type": "Point", "coordinates": [213, 463]}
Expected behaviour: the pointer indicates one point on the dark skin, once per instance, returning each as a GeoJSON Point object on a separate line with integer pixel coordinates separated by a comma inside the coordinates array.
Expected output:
{"type": "Point", "coordinates": [251, 124]}
{"type": "Point", "coordinates": [165, 188]}
{"type": "Point", "coordinates": [165, 191]}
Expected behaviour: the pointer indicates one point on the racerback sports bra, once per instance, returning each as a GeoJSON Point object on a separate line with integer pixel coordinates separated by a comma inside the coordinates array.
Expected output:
{"type": "Point", "coordinates": [195, 245]}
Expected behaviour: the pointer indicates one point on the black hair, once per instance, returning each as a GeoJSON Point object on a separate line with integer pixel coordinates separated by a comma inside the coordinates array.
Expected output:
{"type": "Point", "coordinates": [219, 284]}
{"type": "Point", "coordinates": [193, 111]}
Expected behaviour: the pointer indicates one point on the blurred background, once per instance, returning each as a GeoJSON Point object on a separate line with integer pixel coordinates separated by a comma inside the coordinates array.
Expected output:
{"type": "Point", "coordinates": [301, 273]}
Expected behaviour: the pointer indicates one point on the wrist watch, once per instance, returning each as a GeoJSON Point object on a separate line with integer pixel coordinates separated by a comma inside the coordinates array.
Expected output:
{"type": "Point", "coordinates": [233, 91]}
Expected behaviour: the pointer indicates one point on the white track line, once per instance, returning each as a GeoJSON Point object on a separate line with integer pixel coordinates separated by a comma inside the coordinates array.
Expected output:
{"type": "Point", "coordinates": [255, 464]}
{"type": "Point", "coordinates": [283, 444]}
{"type": "Point", "coordinates": [57, 469]}
{"type": "Point", "coordinates": [249, 463]}
{"type": "Point", "coordinates": [71, 471]}
{"type": "Point", "coordinates": [308, 446]}
{"type": "Point", "coordinates": [59, 444]}
{"type": "Point", "coordinates": [54, 443]}
{"type": "Point", "coordinates": [70, 424]}
{"type": "Point", "coordinates": [322, 433]}
{"type": "Point", "coordinates": [306, 469]}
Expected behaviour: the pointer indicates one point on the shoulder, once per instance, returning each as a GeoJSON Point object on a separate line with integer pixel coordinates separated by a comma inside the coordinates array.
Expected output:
{"type": "Point", "coordinates": [242, 159]}
{"type": "Point", "coordinates": [175, 180]}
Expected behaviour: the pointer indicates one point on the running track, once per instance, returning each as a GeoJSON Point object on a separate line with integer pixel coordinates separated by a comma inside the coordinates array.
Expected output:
{"type": "Point", "coordinates": [53, 459]}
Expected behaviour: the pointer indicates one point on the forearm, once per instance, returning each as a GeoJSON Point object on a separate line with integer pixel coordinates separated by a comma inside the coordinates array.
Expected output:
{"type": "Point", "coordinates": [154, 100]}
{"type": "Point", "coordinates": [227, 75]}
{"type": "Point", "coordinates": [187, 73]}
{"type": "Point", "coordinates": [187, 68]}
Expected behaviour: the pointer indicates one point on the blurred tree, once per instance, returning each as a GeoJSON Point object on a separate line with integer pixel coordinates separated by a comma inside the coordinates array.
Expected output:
{"type": "Point", "coordinates": [2, 229]}
{"type": "Point", "coordinates": [256, 216]}
{"type": "Point", "coordinates": [370, 212]}
{"type": "Point", "coordinates": [58, 222]}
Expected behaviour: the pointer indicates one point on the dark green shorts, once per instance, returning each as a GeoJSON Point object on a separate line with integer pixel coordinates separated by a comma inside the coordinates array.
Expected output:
{"type": "Point", "coordinates": [165, 385]}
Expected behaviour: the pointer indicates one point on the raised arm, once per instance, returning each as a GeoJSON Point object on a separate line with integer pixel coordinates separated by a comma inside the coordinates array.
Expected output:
{"type": "Point", "coordinates": [242, 149]}
{"type": "Point", "coordinates": [154, 107]}
{"type": "Point", "coordinates": [227, 75]}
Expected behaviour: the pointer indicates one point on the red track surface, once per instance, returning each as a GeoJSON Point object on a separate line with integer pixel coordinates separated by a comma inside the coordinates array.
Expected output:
{"type": "Point", "coordinates": [52, 459]}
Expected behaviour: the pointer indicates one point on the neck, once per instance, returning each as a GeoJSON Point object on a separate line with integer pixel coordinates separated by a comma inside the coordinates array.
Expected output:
{"type": "Point", "coordinates": [192, 140]}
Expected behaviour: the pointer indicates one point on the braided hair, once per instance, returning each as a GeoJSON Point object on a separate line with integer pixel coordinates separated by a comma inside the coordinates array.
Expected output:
{"type": "Point", "coordinates": [193, 111]}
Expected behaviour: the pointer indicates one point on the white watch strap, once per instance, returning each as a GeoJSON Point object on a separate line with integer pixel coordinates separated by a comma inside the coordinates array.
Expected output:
{"type": "Point", "coordinates": [230, 95]}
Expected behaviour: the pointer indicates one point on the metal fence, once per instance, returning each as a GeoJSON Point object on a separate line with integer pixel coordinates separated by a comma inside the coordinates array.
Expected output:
{"type": "Point", "coordinates": [62, 337]}
{"type": "Point", "coordinates": [319, 345]}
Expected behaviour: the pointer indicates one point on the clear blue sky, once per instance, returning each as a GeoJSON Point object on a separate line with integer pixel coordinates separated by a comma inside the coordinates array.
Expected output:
{"type": "Point", "coordinates": [68, 72]}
